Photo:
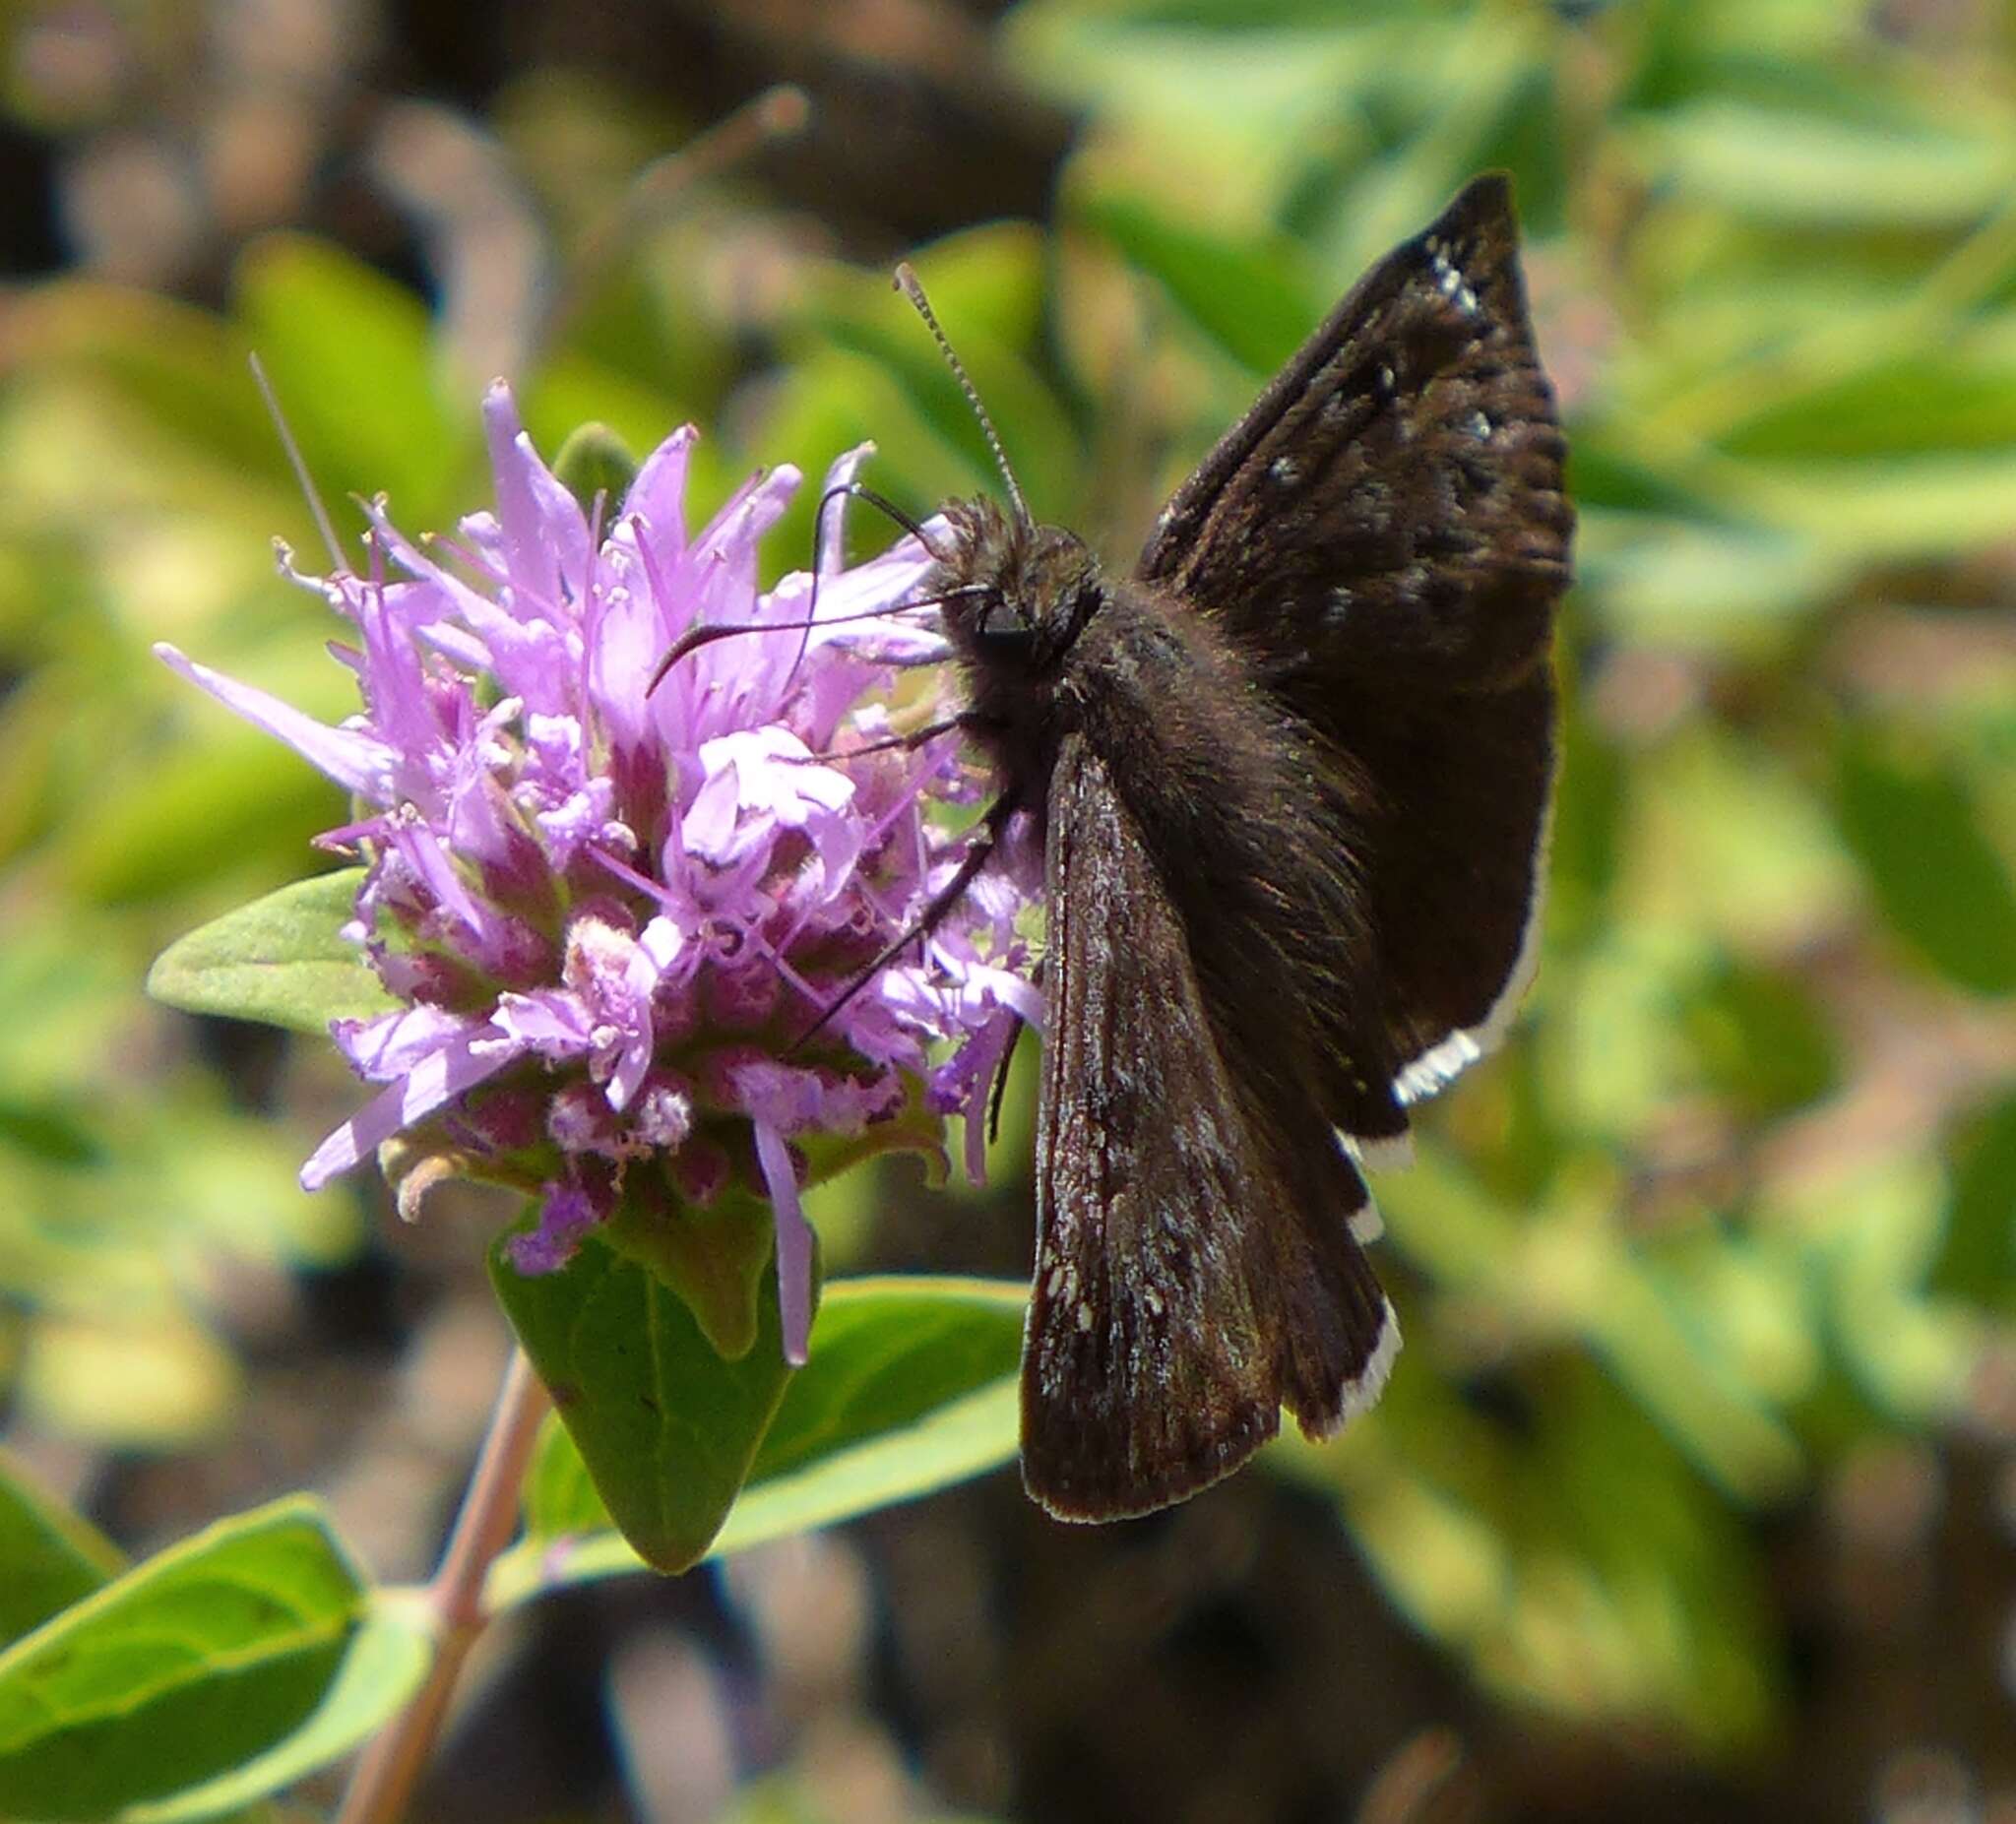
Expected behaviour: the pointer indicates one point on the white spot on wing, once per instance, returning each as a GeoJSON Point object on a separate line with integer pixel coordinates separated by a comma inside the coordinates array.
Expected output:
{"type": "Point", "coordinates": [1442, 1062]}
{"type": "Point", "coordinates": [1366, 1225]}
{"type": "Point", "coordinates": [1360, 1394]}
{"type": "Point", "coordinates": [1286, 471]}
{"type": "Point", "coordinates": [1449, 280]}
{"type": "Point", "coordinates": [1439, 1066]}
{"type": "Point", "coordinates": [1383, 1153]}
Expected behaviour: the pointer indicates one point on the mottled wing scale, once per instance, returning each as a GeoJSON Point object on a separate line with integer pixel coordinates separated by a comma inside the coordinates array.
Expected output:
{"type": "Point", "coordinates": [1385, 534]}
{"type": "Point", "coordinates": [1195, 1267]}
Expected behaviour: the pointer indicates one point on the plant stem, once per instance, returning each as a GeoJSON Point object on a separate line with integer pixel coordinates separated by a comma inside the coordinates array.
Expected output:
{"type": "Point", "coordinates": [391, 1766]}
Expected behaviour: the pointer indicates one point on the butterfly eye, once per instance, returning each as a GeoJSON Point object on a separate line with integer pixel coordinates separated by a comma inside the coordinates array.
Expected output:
{"type": "Point", "coordinates": [1003, 629]}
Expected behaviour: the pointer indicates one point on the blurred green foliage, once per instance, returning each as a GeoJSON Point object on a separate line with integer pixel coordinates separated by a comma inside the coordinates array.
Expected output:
{"type": "Point", "coordinates": [1738, 1198]}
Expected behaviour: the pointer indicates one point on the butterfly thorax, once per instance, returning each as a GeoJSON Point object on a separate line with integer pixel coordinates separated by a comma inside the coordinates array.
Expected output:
{"type": "Point", "coordinates": [1017, 595]}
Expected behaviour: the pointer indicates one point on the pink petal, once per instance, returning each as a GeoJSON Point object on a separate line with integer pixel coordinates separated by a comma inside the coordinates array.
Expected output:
{"type": "Point", "coordinates": [358, 762]}
{"type": "Point", "coordinates": [545, 533]}
{"type": "Point", "coordinates": [658, 493]}
{"type": "Point", "coordinates": [793, 1241]}
{"type": "Point", "coordinates": [434, 1082]}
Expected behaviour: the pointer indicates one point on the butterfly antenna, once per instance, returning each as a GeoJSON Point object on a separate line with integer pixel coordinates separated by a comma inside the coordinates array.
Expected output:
{"type": "Point", "coordinates": [907, 283]}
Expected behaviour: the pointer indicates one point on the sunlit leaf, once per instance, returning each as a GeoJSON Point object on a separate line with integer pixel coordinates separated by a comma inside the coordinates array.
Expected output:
{"type": "Point", "coordinates": [382, 1667]}
{"type": "Point", "coordinates": [910, 1386]}
{"type": "Point", "coordinates": [136, 1379]}
{"type": "Point", "coordinates": [1243, 300]}
{"type": "Point", "coordinates": [280, 960]}
{"type": "Point", "coordinates": [51, 1556]}
{"type": "Point", "coordinates": [350, 356]}
{"type": "Point", "coordinates": [1803, 165]}
{"type": "Point", "coordinates": [667, 1430]}
{"type": "Point", "coordinates": [179, 1670]}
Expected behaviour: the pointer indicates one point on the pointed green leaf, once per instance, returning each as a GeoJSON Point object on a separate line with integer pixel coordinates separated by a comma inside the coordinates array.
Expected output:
{"type": "Point", "coordinates": [910, 1387]}
{"type": "Point", "coordinates": [666, 1428]}
{"type": "Point", "coordinates": [382, 1668]}
{"type": "Point", "coordinates": [49, 1558]}
{"type": "Point", "coordinates": [280, 960]}
{"type": "Point", "coordinates": [178, 1671]}
{"type": "Point", "coordinates": [716, 1259]}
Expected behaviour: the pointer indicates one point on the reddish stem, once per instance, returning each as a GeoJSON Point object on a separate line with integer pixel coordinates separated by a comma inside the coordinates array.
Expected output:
{"type": "Point", "coordinates": [391, 1766]}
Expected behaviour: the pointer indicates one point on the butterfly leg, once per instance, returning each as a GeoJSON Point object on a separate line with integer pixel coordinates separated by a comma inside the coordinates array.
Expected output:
{"type": "Point", "coordinates": [978, 852]}
{"type": "Point", "coordinates": [999, 1091]}
{"type": "Point", "coordinates": [916, 737]}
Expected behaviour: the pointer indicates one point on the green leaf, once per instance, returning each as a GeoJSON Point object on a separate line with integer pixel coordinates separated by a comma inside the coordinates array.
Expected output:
{"type": "Point", "coordinates": [1805, 167]}
{"type": "Point", "coordinates": [889, 1353]}
{"type": "Point", "coordinates": [1978, 1255]}
{"type": "Point", "coordinates": [1242, 299]}
{"type": "Point", "coordinates": [560, 1500]}
{"type": "Point", "coordinates": [382, 1668]}
{"type": "Point", "coordinates": [351, 357]}
{"type": "Point", "coordinates": [666, 1428]}
{"type": "Point", "coordinates": [178, 368]}
{"type": "Point", "coordinates": [1700, 581]}
{"type": "Point", "coordinates": [1914, 824]}
{"type": "Point", "coordinates": [178, 1671]}
{"type": "Point", "coordinates": [1937, 400]}
{"type": "Point", "coordinates": [1762, 1039]}
{"type": "Point", "coordinates": [851, 1449]}
{"type": "Point", "coordinates": [279, 960]}
{"type": "Point", "coordinates": [716, 1259]}
{"type": "Point", "coordinates": [49, 1558]}
{"type": "Point", "coordinates": [910, 1387]}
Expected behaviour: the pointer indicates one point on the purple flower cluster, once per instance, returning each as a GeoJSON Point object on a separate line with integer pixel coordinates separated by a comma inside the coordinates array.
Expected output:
{"type": "Point", "coordinates": [611, 913]}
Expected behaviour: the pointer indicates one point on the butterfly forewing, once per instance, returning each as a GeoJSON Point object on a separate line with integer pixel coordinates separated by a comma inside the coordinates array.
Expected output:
{"type": "Point", "coordinates": [1194, 1272]}
{"type": "Point", "coordinates": [1385, 535]}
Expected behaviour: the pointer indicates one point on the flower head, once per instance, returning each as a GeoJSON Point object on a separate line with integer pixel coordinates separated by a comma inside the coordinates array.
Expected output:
{"type": "Point", "coordinates": [610, 913]}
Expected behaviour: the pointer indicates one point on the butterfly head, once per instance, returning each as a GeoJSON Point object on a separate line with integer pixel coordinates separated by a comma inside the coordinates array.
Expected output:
{"type": "Point", "coordinates": [1016, 594]}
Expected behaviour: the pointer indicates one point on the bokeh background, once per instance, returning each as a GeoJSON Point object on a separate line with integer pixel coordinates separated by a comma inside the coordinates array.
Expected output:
{"type": "Point", "coordinates": [1694, 1495]}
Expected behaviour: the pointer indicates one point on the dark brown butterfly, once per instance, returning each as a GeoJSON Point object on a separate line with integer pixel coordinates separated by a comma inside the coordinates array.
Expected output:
{"type": "Point", "coordinates": [1293, 781]}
